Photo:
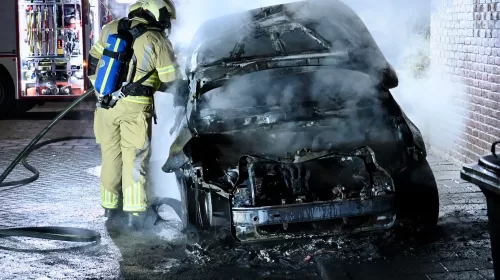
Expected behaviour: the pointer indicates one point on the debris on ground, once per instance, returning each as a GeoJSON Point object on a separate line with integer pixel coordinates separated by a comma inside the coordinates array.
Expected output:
{"type": "Point", "coordinates": [310, 256]}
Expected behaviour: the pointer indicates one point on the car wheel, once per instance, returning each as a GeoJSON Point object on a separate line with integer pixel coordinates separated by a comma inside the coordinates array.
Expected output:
{"type": "Point", "coordinates": [189, 230]}
{"type": "Point", "coordinates": [417, 197]}
{"type": "Point", "coordinates": [195, 216]}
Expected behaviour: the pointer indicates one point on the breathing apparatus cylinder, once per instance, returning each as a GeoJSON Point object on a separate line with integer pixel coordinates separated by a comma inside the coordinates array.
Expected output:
{"type": "Point", "coordinates": [113, 62]}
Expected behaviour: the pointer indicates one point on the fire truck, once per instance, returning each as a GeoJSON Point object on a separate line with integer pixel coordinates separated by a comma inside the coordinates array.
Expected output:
{"type": "Point", "coordinates": [44, 49]}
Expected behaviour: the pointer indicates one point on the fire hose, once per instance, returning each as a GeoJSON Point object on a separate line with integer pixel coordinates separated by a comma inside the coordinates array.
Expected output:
{"type": "Point", "coordinates": [51, 233]}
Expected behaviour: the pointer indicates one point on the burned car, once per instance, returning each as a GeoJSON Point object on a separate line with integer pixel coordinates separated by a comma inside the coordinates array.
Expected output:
{"type": "Point", "coordinates": [291, 130]}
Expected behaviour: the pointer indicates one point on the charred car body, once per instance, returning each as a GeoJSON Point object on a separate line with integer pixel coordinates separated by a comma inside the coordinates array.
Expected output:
{"type": "Point", "coordinates": [291, 127]}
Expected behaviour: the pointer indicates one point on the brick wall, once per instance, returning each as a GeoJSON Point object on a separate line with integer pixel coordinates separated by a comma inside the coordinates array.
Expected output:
{"type": "Point", "coordinates": [465, 45]}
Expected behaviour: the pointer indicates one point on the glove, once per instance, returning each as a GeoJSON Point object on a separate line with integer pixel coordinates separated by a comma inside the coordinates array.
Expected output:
{"type": "Point", "coordinates": [180, 90]}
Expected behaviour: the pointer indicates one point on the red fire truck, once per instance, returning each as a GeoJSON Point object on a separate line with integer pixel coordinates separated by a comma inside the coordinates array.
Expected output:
{"type": "Point", "coordinates": [44, 48]}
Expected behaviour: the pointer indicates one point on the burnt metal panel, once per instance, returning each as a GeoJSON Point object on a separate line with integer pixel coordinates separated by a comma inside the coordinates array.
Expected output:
{"type": "Point", "coordinates": [315, 211]}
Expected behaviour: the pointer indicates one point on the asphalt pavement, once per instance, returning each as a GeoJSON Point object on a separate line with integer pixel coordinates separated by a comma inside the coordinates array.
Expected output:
{"type": "Point", "coordinates": [67, 194]}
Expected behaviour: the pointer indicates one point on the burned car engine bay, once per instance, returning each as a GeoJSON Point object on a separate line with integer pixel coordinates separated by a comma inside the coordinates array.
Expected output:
{"type": "Point", "coordinates": [292, 131]}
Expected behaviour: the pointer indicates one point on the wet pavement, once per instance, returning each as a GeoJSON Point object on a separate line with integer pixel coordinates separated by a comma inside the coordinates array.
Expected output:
{"type": "Point", "coordinates": [67, 194]}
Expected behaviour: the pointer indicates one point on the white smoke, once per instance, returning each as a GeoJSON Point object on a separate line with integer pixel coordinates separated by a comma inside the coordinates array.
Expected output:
{"type": "Point", "coordinates": [428, 96]}
{"type": "Point", "coordinates": [192, 13]}
{"type": "Point", "coordinates": [161, 183]}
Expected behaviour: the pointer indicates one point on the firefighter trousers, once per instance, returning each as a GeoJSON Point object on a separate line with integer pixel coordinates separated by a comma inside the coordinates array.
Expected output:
{"type": "Point", "coordinates": [124, 133]}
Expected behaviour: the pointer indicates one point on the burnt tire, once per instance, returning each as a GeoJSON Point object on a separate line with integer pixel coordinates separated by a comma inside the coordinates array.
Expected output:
{"type": "Point", "coordinates": [183, 213]}
{"type": "Point", "coordinates": [417, 197]}
{"type": "Point", "coordinates": [195, 220]}
{"type": "Point", "coordinates": [191, 232]}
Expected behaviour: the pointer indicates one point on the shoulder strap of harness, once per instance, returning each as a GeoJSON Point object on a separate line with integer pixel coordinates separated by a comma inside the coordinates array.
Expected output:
{"type": "Point", "coordinates": [125, 29]}
{"type": "Point", "coordinates": [124, 25]}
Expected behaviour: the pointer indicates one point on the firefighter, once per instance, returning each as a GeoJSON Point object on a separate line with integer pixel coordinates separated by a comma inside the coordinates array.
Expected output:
{"type": "Point", "coordinates": [124, 130]}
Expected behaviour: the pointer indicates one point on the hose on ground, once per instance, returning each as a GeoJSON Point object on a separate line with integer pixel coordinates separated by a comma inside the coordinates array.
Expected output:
{"type": "Point", "coordinates": [52, 233]}
{"type": "Point", "coordinates": [31, 168]}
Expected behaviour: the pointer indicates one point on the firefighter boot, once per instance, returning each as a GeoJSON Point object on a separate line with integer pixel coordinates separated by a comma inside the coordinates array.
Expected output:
{"type": "Point", "coordinates": [135, 220]}
{"type": "Point", "coordinates": [116, 222]}
{"type": "Point", "coordinates": [111, 213]}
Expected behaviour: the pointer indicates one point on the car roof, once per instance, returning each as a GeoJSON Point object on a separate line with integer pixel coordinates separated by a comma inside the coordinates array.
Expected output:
{"type": "Point", "coordinates": [330, 23]}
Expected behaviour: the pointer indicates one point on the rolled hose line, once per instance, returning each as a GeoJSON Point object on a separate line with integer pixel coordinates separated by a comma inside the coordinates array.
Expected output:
{"type": "Point", "coordinates": [51, 233]}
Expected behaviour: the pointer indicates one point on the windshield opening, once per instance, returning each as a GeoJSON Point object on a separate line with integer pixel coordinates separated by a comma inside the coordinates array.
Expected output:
{"type": "Point", "coordinates": [258, 44]}
{"type": "Point", "coordinates": [324, 88]}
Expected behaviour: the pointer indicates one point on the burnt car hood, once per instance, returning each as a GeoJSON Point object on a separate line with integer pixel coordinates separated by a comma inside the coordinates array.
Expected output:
{"type": "Point", "coordinates": [275, 112]}
{"type": "Point", "coordinates": [302, 37]}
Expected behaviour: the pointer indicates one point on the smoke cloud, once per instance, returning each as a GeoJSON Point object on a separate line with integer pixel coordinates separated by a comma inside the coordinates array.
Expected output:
{"type": "Point", "coordinates": [401, 28]}
{"type": "Point", "coordinates": [427, 95]}
{"type": "Point", "coordinates": [192, 13]}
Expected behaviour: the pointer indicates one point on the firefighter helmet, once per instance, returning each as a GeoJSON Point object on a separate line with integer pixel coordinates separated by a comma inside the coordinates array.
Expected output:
{"type": "Point", "coordinates": [162, 10]}
{"type": "Point", "coordinates": [135, 7]}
